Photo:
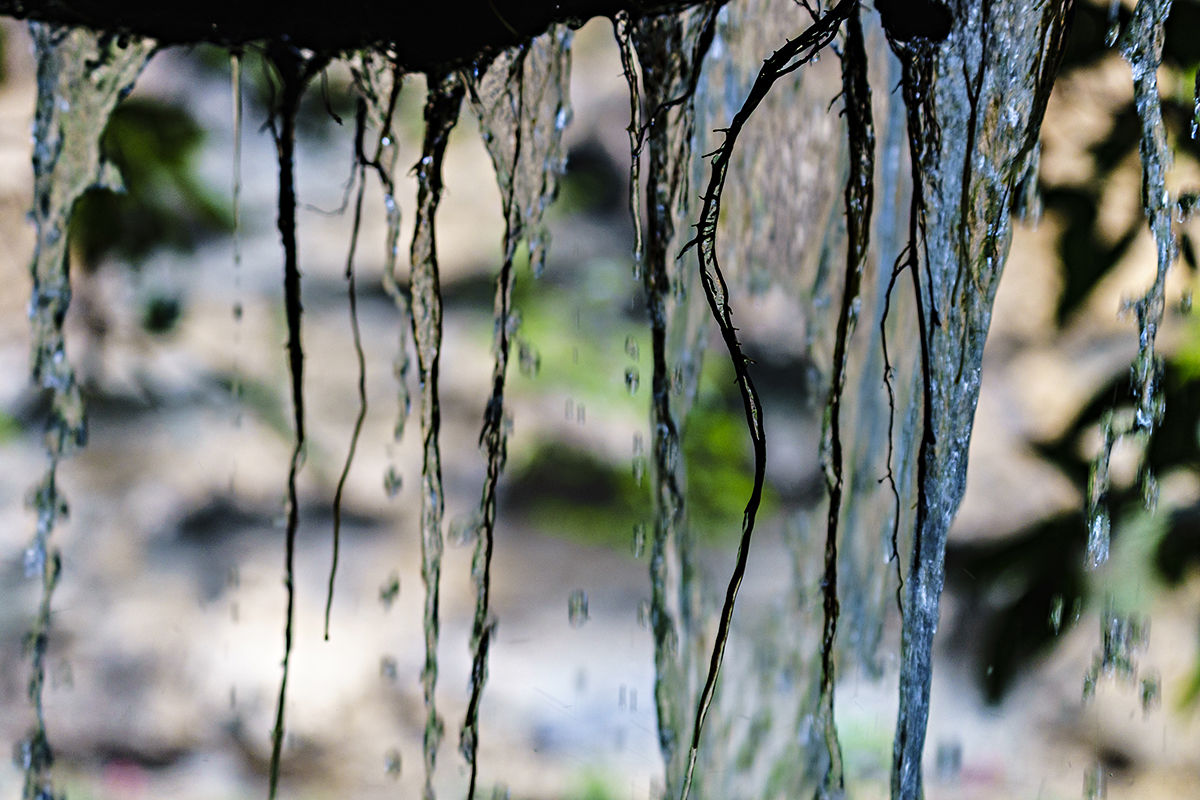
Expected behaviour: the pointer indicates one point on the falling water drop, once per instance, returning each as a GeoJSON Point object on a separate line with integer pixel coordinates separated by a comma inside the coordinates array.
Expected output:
{"type": "Point", "coordinates": [1150, 692]}
{"type": "Point", "coordinates": [632, 379]}
{"type": "Point", "coordinates": [529, 361]}
{"type": "Point", "coordinates": [639, 539]}
{"type": "Point", "coordinates": [81, 76]}
{"type": "Point", "coordinates": [643, 613]}
{"type": "Point", "coordinates": [442, 103]}
{"type": "Point", "coordinates": [577, 608]}
{"type": "Point", "coordinates": [393, 482]}
{"type": "Point", "coordinates": [464, 531]}
{"type": "Point", "coordinates": [389, 591]}
{"type": "Point", "coordinates": [1056, 613]}
{"type": "Point", "coordinates": [1114, 24]}
{"type": "Point", "coordinates": [392, 764]}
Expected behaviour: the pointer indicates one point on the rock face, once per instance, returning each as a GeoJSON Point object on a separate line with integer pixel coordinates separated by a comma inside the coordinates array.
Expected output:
{"type": "Point", "coordinates": [422, 35]}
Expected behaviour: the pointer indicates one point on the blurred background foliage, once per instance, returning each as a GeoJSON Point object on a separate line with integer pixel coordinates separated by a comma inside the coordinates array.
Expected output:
{"type": "Point", "coordinates": [1026, 588]}
{"type": "Point", "coordinates": [1023, 588]}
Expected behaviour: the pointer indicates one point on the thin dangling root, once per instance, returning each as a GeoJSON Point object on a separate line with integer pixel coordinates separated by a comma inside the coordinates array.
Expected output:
{"type": "Point", "coordinates": [294, 70]}
{"type": "Point", "coordinates": [859, 199]}
{"type": "Point", "coordinates": [794, 54]}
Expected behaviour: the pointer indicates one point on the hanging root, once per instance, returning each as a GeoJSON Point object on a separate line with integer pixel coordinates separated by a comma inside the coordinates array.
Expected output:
{"type": "Point", "coordinates": [890, 475]}
{"type": "Point", "coordinates": [794, 54]}
{"type": "Point", "coordinates": [360, 125]}
{"type": "Point", "coordinates": [494, 439]}
{"type": "Point", "coordinates": [294, 71]}
{"type": "Point", "coordinates": [859, 200]}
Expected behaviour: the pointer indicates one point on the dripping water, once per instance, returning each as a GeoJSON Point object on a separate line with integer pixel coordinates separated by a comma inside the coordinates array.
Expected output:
{"type": "Point", "coordinates": [1142, 48]}
{"type": "Point", "coordinates": [660, 46]}
{"type": "Point", "coordinates": [235, 75]}
{"type": "Point", "coordinates": [967, 165]}
{"type": "Point", "coordinates": [81, 76]}
{"type": "Point", "coordinates": [378, 81]}
{"type": "Point", "coordinates": [444, 97]}
{"type": "Point", "coordinates": [622, 30]}
{"type": "Point", "coordinates": [520, 99]}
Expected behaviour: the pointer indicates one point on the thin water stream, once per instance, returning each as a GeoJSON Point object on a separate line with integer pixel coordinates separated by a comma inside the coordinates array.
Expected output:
{"type": "Point", "coordinates": [81, 76]}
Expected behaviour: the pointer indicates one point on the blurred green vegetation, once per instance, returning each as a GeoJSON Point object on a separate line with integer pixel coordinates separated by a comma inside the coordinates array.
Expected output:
{"type": "Point", "coordinates": [584, 351]}
{"type": "Point", "coordinates": [154, 145]}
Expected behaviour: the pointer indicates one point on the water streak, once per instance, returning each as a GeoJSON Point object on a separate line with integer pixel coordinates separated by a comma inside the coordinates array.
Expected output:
{"type": "Point", "coordinates": [975, 103]}
{"type": "Point", "coordinates": [521, 100]}
{"type": "Point", "coordinates": [1142, 48]}
{"type": "Point", "coordinates": [526, 147]}
{"type": "Point", "coordinates": [81, 76]}
{"type": "Point", "coordinates": [670, 51]}
{"type": "Point", "coordinates": [235, 79]}
{"type": "Point", "coordinates": [378, 81]}
{"type": "Point", "coordinates": [442, 103]}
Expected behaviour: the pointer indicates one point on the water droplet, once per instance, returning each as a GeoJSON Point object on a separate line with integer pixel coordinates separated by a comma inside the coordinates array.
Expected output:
{"type": "Point", "coordinates": [464, 531]}
{"type": "Point", "coordinates": [388, 669]}
{"type": "Point", "coordinates": [393, 482]}
{"type": "Point", "coordinates": [1089, 684]}
{"type": "Point", "coordinates": [391, 763]}
{"type": "Point", "coordinates": [639, 469]}
{"type": "Point", "coordinates": [643, 613]}
{"type": "Point", "coordinates": [1110, 36]}
{"type": "Point", "coordinates": [949, 760]}
{"type": "Point", "coordinates": [639, 539]}
{"type": "Point", "coordinates": [632, 379]}
{"type": "Point", "coordinates": [1151, 692]}
{"type": "Point", "coordinates": [631, 347]}
{"type": "Point", "coordinates": [529, 360]}
{"type": "Point", "coordinates": [389, 591]}
{"type": "Point", "coordinates": [577, 608]}
{"type": "Point", "coordinates": [513, 323]}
